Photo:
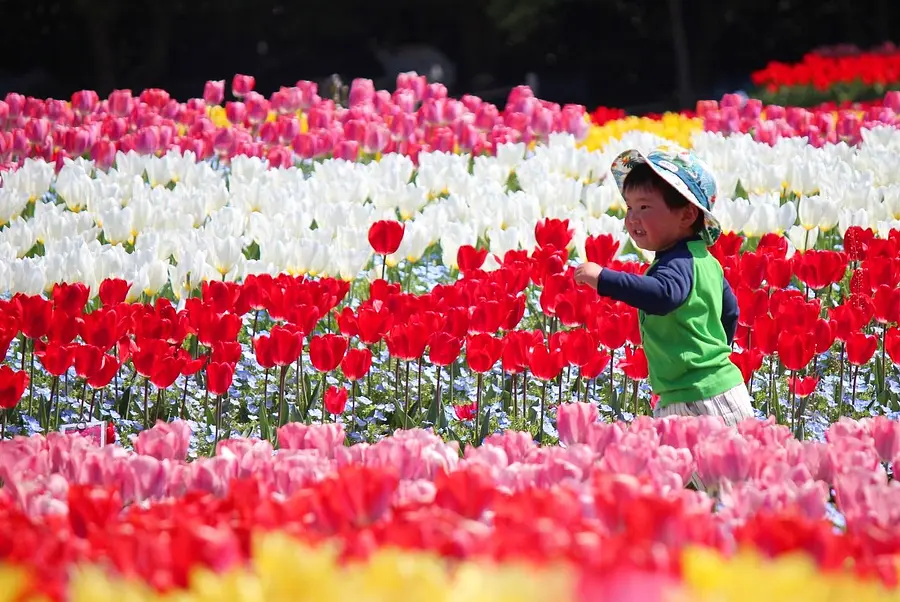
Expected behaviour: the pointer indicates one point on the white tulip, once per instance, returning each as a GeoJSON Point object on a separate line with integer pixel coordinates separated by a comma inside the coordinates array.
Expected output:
{"type": "Point", "coordinates": [803, 238]}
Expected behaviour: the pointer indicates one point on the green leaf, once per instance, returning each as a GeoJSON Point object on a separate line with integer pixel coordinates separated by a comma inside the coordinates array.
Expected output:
{"type": "Point", "coordinates": [123, 402]}
{"type": "Point", "coordinates": [879, 376]}
{"type": "Point", "coordinates": [485, 426]}
{"type": "Point", "coordinates": [264, 427]}
{"type": "Point", "coordinates": [614, 403]}
{"type": "Point", "coordinates": [455, 436]}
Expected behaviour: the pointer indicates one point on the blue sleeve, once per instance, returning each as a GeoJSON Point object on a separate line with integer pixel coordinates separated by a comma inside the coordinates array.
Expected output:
{"type": "Point", "coordinates": [660, 291]}
{"type": "Point", "coordinates": [730, 311]}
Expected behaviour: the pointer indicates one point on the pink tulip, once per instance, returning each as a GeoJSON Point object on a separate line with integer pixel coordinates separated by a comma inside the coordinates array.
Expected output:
{"type": "Point", "coordinates": [214, 92]}
{"type": "Point", "coordinates": [241, 85]}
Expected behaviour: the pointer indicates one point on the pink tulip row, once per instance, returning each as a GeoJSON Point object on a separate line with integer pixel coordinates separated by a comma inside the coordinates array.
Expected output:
{"type": "Point", "coordinates": [757, 467]}
{"type": "Point", "coordinates": [416, 116]}
{"type": "Point", "coordinates": [821, 125]}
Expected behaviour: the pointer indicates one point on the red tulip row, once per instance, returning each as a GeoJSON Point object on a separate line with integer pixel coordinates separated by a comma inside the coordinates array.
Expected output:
{"type": "Point", "coordinates": [817, 78]}
{"type": "Point", "coordinates": [480, 313]}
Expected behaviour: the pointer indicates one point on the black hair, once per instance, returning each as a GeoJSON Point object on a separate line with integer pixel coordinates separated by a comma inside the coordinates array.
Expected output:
{"type": "Point", "coordinates": [642, 176]}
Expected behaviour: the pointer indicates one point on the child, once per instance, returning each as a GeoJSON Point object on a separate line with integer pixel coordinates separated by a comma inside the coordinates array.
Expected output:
{"type": "Point", "coordinates": [688, 313]}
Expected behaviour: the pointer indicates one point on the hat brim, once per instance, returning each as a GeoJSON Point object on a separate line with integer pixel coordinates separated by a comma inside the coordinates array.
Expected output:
{"type": "Point", "coordinates": [626, 161]}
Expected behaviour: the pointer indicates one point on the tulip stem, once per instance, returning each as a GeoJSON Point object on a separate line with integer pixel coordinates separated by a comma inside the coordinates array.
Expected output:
{"type": "Point", "coordinates": [793, 397]}
{"type": "Point", "coordinates": [264, 406]}
{"type": "Point", "coordinates": [612, 358]}
{"type": "Point", "coordinates": [541, 421]}
{"type": "Point", "coordinates": [281, 378]}
{"type": "Point", "coordinates": [419, 383]}
{"type": "Point", "coordinates": [184, 395]}
{"type": "Point", "coordinates": [353, 386]}
{"type": "Point", "coordinates": [3, 424]}
{"type": "Point", "coordinates": [853, 394]}
{"type": "Point", "coordinates": [83, 397]}
{"type": "Point", "coordinates": [450, 385]}
{"type": "Point", "coordinates": [634, 398]}
{"type": "Point", "coordinates": [323, 387]}
{"type": "Point", "coordinates": [396, 379]}
{"type": "Point", "coordinates": [883, 360]}
{"type": "Point", "coordinates": [160, 402]}
{"type": "Point", "coordinates": [93, 398]}
{"type": "Point", "coordinates": [146, 406]}
{"type": "Point", "coordinates": [559, 397]}
{"type": "Point", "coordinates": [525, 394]}
{"type": "Point", "coordinates": [369, 376]}
{"type": "Point", "coordinates": [54, 391]}
{"type": "Point", "coordinates": [31, 379]}
{"type": "Point", "coordinates": [840, 382]}
{"type": "Point", "coordinates": [406, 399]}
{"type": "Point", "coordinates": [218, 420]}
{"type": "Point", "coordinates": [302, 382]}
{"type": "Point", "coordinates": [383, 265]}
{"type": "Point", "coordinates": [514, 386]}
{"type": "Point", "coordinates": [479, 382]}
{"type": "Point", "coordinates": [437, 397]}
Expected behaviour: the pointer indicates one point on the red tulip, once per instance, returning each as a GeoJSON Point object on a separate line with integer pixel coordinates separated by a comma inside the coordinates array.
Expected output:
{"type": "Point", "coordinates": [544, 363]}
{"type": "Point", "coordinates": [326, 351]}
{"type": "Point", "coordinates": [860, 348]}
{"type": "Point", "coordinates": [892, 344]}
{"type": "Point", "coordinates": [634, 364]}
{"type": "Point", "coordinates": [748, 362]}
{"type": "Point", "coordinates": [385, 236]}
{"type": "Point", "coordinates": [802, 386]}
{"type": "Point", "coordinates": [356, 363]}
{"type": "Point", "coordinates": [796, 349]}
{"type": "Point", "coordinates": [469, 259]}
{"type": "Point", "coordinates": [12, 386]}
{"type": "Point", "coordinates": [601, 249]}
{"type": "Point", "coordinates": [113, 291]}
{"type": "Point", "coordinates": [483, 351]}
{"type": "Point", "coordinates": [444, 349]}
{"type": "Point", "coordinates": [219, 378]}
{"type": "Point", "coordinates": [335, 400]}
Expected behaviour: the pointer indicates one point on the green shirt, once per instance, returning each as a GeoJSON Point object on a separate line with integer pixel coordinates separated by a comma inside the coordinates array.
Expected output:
{"type": "Point", "coordinates": [688, 316]}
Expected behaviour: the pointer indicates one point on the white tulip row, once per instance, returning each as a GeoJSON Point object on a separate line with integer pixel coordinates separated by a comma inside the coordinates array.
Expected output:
{"type": "Point", "coordinates": [172, 220]}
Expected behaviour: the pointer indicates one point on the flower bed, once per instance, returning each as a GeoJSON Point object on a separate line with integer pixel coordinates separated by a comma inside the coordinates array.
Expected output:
{"type": "Point", "coordinates": [610, 506]}
{"type": "Point", "coordinates": [822, 78]}
{"type": "Point", "coordinates": [303, 301]}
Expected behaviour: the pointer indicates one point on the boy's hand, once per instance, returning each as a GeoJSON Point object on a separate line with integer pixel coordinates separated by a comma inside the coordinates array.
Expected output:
{"type": "Point", "coordinates": [589, 274]}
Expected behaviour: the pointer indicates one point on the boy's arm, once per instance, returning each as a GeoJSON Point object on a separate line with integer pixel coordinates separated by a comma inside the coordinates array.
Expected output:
{"type": "Point", "coordinates": [658, 293]}
{"type": "Point", "coordinates": [730, 311]}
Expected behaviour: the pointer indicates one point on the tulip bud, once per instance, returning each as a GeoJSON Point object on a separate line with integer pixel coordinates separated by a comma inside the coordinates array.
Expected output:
{"type": "Point", "coordinates": [235, 112]}
{"type": "Point", "coordinates": [362, 91]}
{"type": "Point", "coordinates": [242, 85]}
{"type": "Point", "coordinates": [348, 150]}
{"type": "Point", "coordinates": [214, 92]}
{"type": "Point", "coordinates": [15, 103]}
{"type": "Point", "coordinates": [120, 103]}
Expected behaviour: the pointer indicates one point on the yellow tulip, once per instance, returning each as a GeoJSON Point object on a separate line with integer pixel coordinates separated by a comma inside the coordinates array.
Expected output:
{"type": "Point", "coordinates": [672, 126]}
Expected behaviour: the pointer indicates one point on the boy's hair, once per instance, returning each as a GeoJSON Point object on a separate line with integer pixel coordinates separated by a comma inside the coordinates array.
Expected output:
{"type": "Point", "coordinates": [643, 177]}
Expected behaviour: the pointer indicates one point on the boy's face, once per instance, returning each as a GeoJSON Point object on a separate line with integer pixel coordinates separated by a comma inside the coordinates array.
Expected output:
{"type": "Point", "coordinates": [651, 223]}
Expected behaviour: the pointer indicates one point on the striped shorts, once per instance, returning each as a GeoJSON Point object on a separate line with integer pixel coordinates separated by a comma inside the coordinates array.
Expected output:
{"type": "Point", "coordinates": [733, 406]}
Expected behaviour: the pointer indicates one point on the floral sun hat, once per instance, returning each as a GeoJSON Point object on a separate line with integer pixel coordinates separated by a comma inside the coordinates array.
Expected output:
{"type": "Point", "coordinates": [684, 172]}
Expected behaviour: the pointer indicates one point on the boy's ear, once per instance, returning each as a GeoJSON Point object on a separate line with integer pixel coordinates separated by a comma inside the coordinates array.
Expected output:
{"type": "Point", "coordinates": [691, 213]}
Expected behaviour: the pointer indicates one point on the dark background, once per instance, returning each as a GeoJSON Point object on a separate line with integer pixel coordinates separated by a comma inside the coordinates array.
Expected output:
{"type": "Point", "coordinates": [593, 52]}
